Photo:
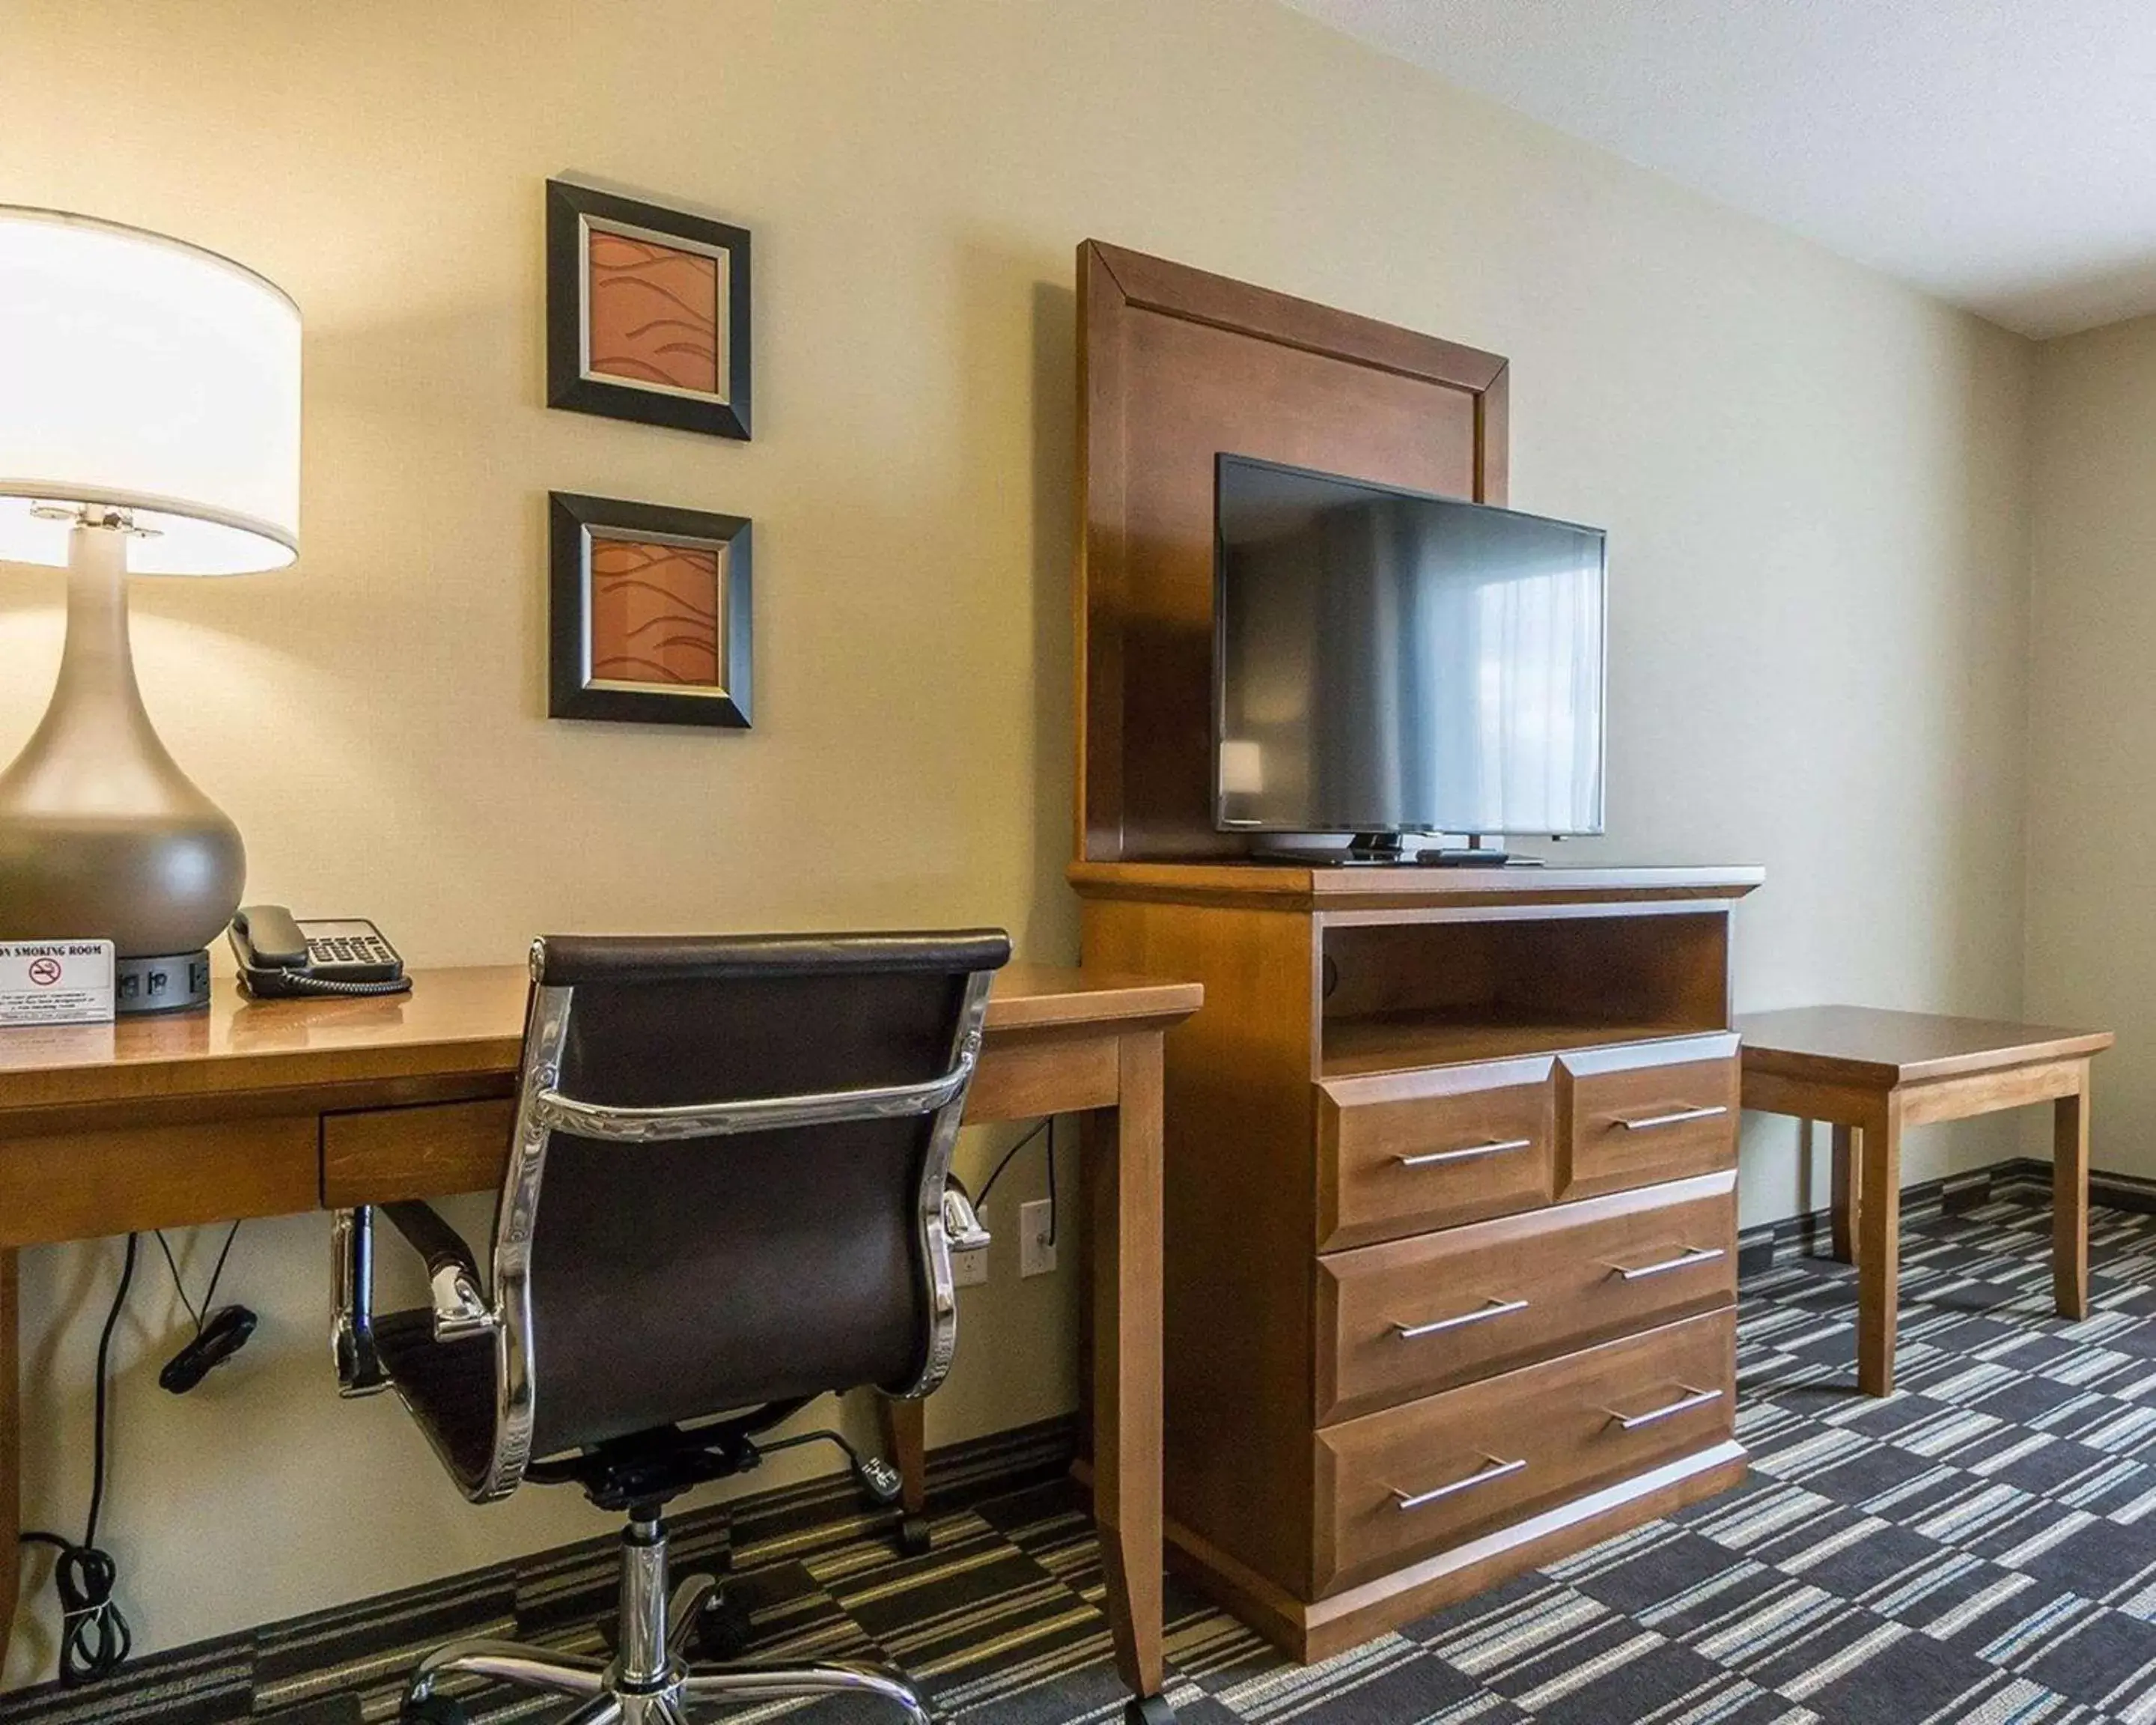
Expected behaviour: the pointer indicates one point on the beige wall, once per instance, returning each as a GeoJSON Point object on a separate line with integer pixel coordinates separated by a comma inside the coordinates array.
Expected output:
{"type": "Point", "coordinates": [1814, 480]}
{"type": "Point", "coordinates": [2091, 933]}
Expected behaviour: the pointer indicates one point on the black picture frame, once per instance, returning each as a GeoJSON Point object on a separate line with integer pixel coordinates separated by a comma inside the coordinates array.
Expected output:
{"type": "Point", "coordinates": [574, 520]}
{"type": "Point", "coordinates": [574, 211]}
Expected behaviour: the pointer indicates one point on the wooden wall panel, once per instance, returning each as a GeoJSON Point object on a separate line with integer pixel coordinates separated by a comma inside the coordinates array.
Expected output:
{"type": "Point", "coordinates": [1177, 367]}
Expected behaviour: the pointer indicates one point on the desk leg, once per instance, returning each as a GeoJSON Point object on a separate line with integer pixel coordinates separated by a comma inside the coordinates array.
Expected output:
{"type": "Point", "coordinates": [11, 1448]}
{"type": "Point", "coordinates": [1122, 1163]}
{"type": "Point", "coordinates": [906, 1439]}
{"type": "Point", "coordinates": [1879, 1250]}
{"type": "Point", "coordinates": [2070, 1173]}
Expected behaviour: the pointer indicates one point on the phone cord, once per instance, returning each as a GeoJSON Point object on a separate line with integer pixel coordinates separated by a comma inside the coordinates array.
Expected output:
{"type": "Point", "coordinates": [322, 985]}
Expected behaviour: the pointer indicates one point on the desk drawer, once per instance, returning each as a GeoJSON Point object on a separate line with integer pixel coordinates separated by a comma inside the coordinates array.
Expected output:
{"type": "Point", "coordinates": [1401, 1152]}
{"type": "Point", "coordinates": [1397, 1486]}
{"type": "Point", "coordinates": [1648, 1112]}
{"type": "Point", "coordinates": [78, 1185]}
{"type": "Point", "coordinates": [1399, 1321]}
{"type": "Point", "coordinates": [380, 1155]}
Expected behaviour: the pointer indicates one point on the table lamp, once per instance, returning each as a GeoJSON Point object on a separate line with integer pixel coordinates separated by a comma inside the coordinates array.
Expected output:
{"type": "Point", "coordinates": [149, 424]}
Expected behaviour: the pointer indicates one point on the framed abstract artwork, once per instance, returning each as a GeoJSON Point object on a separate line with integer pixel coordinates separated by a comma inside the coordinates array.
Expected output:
{"type": "Point", "coordinates": [648, 614]}
{"type": "Point", "coordinates": [647, 312]}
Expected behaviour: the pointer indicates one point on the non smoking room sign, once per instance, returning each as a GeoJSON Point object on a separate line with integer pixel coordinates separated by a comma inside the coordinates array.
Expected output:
{"type": "Point", "coordinates": [55, 981]}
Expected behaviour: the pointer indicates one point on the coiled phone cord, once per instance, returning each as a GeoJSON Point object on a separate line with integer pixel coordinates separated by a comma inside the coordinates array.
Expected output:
{"type": "Point", "coordinates": [94, 1638]}
{"type": "Point", "coordinates": [295, 983]}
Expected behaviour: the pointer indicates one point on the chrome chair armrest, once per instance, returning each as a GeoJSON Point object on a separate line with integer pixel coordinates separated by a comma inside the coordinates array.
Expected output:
{"type": "Point", "coordinates": [961, 1222]}
{"type": "Point", "coordinates": [359, 1369]}
{"type": "Point", "coordinates": [618, 1123]}
{"type": "Point", "coordinates": [460, 1301]}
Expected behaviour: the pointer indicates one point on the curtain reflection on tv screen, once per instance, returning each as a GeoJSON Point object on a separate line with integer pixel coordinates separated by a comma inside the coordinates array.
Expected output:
{"type": "Point", "coordinates": [1387, 662]}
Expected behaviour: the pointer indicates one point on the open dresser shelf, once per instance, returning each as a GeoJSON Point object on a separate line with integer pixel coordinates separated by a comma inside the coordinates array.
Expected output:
{"type": "Point", "coordinates": [1451, 1256]}
{"type": "Point", "coordinates": [1397, 1041]}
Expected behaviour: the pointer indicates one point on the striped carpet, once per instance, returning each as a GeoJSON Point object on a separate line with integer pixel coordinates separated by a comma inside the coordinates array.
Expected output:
{"type": "Point", "coordinates": [1981, 1546]}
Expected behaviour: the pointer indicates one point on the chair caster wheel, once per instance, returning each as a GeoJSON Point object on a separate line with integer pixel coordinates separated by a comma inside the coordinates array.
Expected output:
{"type": "Point", "coordinates": [724, 1628]}
{"type": "Point", "coordinates": [915, 1536]}
{"type": "Point", "coordinates": [1149, 1710]}
{"type": "Point", "coordinates": [433, 1710]}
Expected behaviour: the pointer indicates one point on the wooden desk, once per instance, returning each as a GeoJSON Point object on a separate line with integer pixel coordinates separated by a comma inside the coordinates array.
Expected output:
{"type": "Point", "coordinates": [1870, 1073]}
{"type": "Point", "coordinates": [271, 1107]}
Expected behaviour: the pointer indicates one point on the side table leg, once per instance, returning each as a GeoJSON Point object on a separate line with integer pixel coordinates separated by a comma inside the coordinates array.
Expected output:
{"type": "Point", "coordinates": [1879, 1250]}
{"type": "Point", "coordinates": [1846, 1152]}
{"type": "Point", "coordinates": [2069, 1190]}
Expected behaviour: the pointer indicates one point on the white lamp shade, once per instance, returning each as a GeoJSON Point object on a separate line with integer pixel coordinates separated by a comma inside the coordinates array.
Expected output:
{"type": "Point", "coordinates": [146, 374]}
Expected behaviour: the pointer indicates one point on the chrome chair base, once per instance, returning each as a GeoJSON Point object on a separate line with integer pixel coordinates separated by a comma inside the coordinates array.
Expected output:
{"type": "Point", "coordinates": [648, 1682]}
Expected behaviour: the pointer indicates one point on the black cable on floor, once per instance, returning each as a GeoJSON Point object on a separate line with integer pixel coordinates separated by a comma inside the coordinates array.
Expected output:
{"type": "Point", "coordinates": [94, 1638]}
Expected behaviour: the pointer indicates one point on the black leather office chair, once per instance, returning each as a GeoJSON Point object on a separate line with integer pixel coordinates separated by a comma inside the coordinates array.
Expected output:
{"type": "Point", "coordinates": [724, 1197]}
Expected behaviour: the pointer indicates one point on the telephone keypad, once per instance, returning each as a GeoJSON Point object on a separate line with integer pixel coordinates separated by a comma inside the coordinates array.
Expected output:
{"type": "Point", "coordinates": [368, 949]}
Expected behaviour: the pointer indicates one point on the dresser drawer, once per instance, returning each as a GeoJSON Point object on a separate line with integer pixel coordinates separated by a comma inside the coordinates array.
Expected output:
{"type": "Point", "coordinates": [1397, 1486]}
{"type": "Point", "coordinates": [1647, 1111]}
{"type": "Point", "coordinates": [1400, 1152]}
{"type": "Point", "coordinates": [1399, 1321]}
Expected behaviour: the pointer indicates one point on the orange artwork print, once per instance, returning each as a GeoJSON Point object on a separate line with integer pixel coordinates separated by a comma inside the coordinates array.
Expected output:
{"type": "Point", "coordinates": [654, 313]}
{"type": "Point", "coordinates": [654, 613]}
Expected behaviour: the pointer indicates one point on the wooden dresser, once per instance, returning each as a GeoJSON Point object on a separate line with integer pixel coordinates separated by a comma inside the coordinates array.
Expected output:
{"type": "Point", "coordinates": [1451, 1240]}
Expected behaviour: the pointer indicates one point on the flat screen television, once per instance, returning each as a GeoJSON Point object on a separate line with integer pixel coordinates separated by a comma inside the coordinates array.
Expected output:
{"type": "Point", "coordinates": [1387, 663]}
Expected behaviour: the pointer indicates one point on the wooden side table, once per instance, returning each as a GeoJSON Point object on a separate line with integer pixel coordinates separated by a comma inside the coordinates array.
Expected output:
{"type": "Point", "coordinates": [1869, 1073]}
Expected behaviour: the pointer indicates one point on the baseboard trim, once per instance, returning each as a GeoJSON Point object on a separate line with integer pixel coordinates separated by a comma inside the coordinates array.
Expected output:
{"type": "Point", "coordinates": [2017, 1179]}
{"type": "Point", "coordinates": [2119, 1191]}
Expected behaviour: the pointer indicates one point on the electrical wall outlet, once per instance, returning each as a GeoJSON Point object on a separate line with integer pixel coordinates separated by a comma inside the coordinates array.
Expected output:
{"type": "Point", "coordinates": [1036, 1245]}
{"type": "Point", "coordinates": [969, 1270]}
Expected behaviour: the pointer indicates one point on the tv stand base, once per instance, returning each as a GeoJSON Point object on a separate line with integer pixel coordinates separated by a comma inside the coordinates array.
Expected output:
{"type": "Point", "coordinates": [1389, 850]}
{"type": "Point", "coordinates": [1474, 857]}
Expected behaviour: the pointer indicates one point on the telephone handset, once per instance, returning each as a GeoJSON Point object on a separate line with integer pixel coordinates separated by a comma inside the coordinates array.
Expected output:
{"type": "Point", "coordinates": [280, 957]}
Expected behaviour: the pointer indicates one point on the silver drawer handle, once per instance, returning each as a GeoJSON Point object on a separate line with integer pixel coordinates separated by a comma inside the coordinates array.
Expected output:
{"type": "Point", "coordinates": [1675, 1116]}
{"type": "Point", "coordinates": [1492, 1307]}
{"type": "Point", "coordinates": [1466, 1153]}
{"type": "Point", "coordinates": [1683, 1261]}
{"type": "Point", "coordinates": [1492, 1469]}
{"type": "Point", "coordinates": [1684, 1404]}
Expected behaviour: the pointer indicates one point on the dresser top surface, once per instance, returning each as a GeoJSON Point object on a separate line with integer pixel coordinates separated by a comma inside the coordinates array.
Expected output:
{"type": "Point", "coordinates": [1284, 885]}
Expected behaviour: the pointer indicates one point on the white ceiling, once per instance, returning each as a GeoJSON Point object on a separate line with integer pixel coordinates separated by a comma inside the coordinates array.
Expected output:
{"type": "Point", "coordinates": [2000, 154]}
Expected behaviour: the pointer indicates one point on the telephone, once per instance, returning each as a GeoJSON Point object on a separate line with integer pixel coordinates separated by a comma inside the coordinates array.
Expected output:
{"type": "Point", "coordinates": [280, 957]}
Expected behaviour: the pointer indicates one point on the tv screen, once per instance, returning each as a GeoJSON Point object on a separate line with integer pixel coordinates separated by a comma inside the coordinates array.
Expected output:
{"type": "Point", "coordinates": [1386, 662]}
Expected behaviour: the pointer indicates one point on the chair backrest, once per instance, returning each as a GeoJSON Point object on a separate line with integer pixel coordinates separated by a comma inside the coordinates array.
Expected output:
{"type": "Point", "coordinates": [726, 1187]}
